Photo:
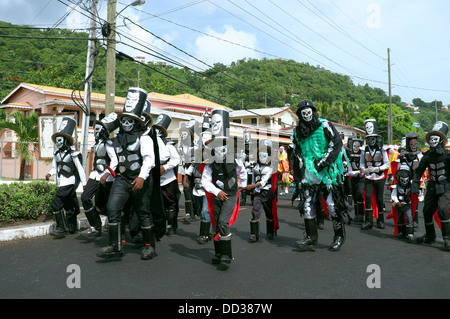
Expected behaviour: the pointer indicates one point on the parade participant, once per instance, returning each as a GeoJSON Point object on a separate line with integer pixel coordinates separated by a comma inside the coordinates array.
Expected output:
{"type": "Point", "coordinates": [283, 171]}
{"type": "Point", "coordinates": [374, 162]}
{"type": "Point", "coordinates": [100, 179]}
{"type": "Point", "coordinates": [186, 150]}
{"type": "Point", "coordinates": [263, 185]}
{"type": "Point", "coordinates": [136, 155]}
{"type": "Point", "coordinates": [318, 144]}
{"type": "Point", "coordinates": [437, 195]}
{"type": "Point", "coordinates": [196, 170]}
{"type": "Point", "coordinates": [249, 162]}
{"type": "Point", "coordinates": [409, 155]}
{"type": "Point", "coordinates": [223, 179]}
{"type": "Point", "coordinates": [69, 173]}
{"type": "Point", "coordinates": [401, 199]}
{"type": "Point", "coordinates": [356, 177]}
{"type": "Point", "coordinates": [169, 161]}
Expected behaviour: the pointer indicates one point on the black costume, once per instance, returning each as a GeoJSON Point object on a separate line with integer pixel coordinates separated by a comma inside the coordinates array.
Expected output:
{"type": "Point", "coordinates": [102, 175]}
{"type": "Point", "coordinates": [69, 173]}
{"type": "Point", "coordinates": [318, 144]}
{"type": "Point", "coordinates": [356, 177]}
{"type": "Point", "coordinates": [437, 196]}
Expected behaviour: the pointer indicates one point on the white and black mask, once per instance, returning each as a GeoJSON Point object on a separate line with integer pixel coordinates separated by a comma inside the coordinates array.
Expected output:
{"type": "Point", "coordinates": [307, 114]}
{"type": "Point", "coordinates": [216, 123]}
{"type": "Point", "coordinates": [98, 130]}
{"type": "Point", "coordinates": [356, 145]}
{"type": "Point", "coordinates": [206, 136]}
{"type": "Point", "coordinates": [413, 145]}
{"type": "Point", "coordinates": [220, 153]}
{"type": "Point", "coordinates": [372, 141]}
{"type": "Point", "coordinates": [60, 142]}
{"type": "Point", "coordinates": [435, 140]}
{"type": "Point", "coordinates": [127, 123]}
{"type": "Point", "coordinates": [403, 180]}
{"type": "Point", "coordinates": [370, 128]}
{"type": "Point", "coordinates": [263, 157]}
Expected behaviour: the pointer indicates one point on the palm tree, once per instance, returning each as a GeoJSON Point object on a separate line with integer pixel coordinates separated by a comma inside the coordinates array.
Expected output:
{"type": "Point", "coordinates": [345, 110]}
{"type": "Point", "coordinates": [26, 129]}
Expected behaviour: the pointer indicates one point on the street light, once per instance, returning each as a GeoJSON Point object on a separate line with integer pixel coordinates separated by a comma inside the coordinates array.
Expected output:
{"type": "Point", "coordinates": [111, 53]}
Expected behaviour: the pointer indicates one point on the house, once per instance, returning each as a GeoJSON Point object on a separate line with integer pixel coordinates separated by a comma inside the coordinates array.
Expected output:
{"type": "Point", "coordinates": [45, 100]}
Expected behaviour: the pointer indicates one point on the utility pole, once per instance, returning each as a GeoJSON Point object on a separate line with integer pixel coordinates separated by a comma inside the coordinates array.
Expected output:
{"type": "Point", "coordinates": [435, 108]}
{"type": "Point", "coordinates": [390, 99]}
{"type": "Point", "coordinates": [88, 85]}
{"type": "Point", "coordinates": [111, 59]}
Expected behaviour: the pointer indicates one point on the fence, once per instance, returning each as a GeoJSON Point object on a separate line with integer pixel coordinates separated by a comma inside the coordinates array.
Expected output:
{"type": "Point", "coordinates": [35, 169]}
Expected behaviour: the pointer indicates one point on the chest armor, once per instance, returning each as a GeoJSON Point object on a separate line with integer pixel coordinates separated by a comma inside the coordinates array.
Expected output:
{"type": "Point", "coordinates": [259, 172]}
{"type": "Point", "coordinates": [64, 164]}
{"type": "Point", "coordinates": [197, 177]}
{"type": "Point", "coordinates": [374, 160]}
{"type": "Point", "coordinates": [404, 193]}
{"type": "Point", "coordinates": [101, 158]}
{"type": "Point", "coordinates": [354, 161]}
{"type": "Point", "coordinates": [130, 159]}
{"type": "Point", "coordinates": [226, 174]}
{"type": "Point", "coordinates": [438, 172]}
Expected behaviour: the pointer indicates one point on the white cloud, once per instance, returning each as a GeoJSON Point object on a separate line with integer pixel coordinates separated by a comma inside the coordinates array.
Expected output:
{"type": "Point", "coordinates": [212, 50]}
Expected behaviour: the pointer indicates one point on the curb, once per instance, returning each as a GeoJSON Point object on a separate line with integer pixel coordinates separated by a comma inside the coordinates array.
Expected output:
{"type": "Point", "coordinates": [38, 229]}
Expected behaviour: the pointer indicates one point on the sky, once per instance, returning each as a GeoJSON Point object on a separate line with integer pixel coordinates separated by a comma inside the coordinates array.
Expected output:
{"type": "Point", "coordinates": [349, 37]}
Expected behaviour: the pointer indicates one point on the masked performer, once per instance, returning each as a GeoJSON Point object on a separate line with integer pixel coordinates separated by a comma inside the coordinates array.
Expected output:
{"type": "Point", "coordinates": [69, 173]}
{"type": "Point", "coordinates": [374, 162]}
{"type": "Point", "coordinates": [100, 179]}
{"type": "Point", "coordinates": [136, 155]}
{"type": "Point", "coordinates": [401, 199]}
{"type": "Point", "coordinates": [249, 162]}
{"type": "Point", "coordinates": [319, 145]}
{"type": "Point", "coordinates": [169, 161]}
{"type": "Point", "coordinates": [223, 179]}
{"type": "Point", "coordinates": [356, 177]}
{"type": "Point", "coordinates": [186, 150]}
{"type": "Point", "coordinates": [263, 185]}
{"type": "Point", "coordinates": [437, 196]}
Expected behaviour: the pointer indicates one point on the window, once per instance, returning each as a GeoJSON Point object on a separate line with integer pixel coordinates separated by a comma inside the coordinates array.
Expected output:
{"type": "Point", "coordinates": [254, 121]}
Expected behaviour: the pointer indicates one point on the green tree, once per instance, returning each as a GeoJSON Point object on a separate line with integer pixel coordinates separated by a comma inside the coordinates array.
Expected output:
{"type": "Point", "coordinates": [25, 127]}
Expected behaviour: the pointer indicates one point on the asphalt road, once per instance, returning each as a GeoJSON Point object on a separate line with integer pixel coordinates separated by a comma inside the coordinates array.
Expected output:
{"type": "Point", "coordinates": [371, 264]}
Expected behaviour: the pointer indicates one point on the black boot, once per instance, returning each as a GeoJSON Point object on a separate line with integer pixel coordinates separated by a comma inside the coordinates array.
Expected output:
{"type": "Point", "coordinates": [270, 228]}
{"type": "Point", "coordinates": [339, 234]}
{"type": "Point", "coordinates": [72, 222]}
{"type": "Point", "coordinates": [148, 252]}
{"type": "Point", "coordinates": [225, 249]}
{"type": "Point", "coordinates": [359, 212]}
{"type": "Point", "coordinates": [380, 220]}
{"type": "Point", "coordinates": [401, 230]}
{"type": "Point", "coordinates": [254, 231]}
{"type": "Point", "coordinates": [171, 222]}
{"type": "Point", "coordinates": [217, 253]}
{"type": "Point", "coordinates": [368, 220]}
{"type": "Point", "coordinates": [59, 231]}
{"type": "Point", "coordinates": [114, 249]}
{"type": "Point", "coordinates": [310, 241]}
{"type": "Point", "coordinates": [204, 232]}
{"type": "Point", "coordinates": [96, 224]}
{"type": "Point", "coordinates": [445, 226]}
{"type": "Point", "coordinates": [430, 234]}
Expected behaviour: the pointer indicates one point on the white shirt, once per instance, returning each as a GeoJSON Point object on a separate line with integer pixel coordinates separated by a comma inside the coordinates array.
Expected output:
{"type": "Point", "coordinates": [64, 181]}
{"type": "Point", "coordinates": [148, 156]}
{"type": "Point", "coordinates": [266, 177]}
{"type": "Point", "coordinates": [373, 176]}
{"type": "Point", "coordinates": [207, 177]}
{"type": "Point", "coordinates": [168, 152]}
{"type": "Point", "coordinates": [95, 175]}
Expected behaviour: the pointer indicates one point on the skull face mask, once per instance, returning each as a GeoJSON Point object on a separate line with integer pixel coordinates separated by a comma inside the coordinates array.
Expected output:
{"type": "Point", "coordinates": [220, 153]}
{"type": "Point", "coordinates": [98, 130]}
{"type": "Point", "coordinates": [306, 114]}
{"type": "Point", "coordinates": [355, 147]}
{"type": "Point", "coordinates": [60, 142]}
{"type": "Point", "coordinates": [370, 128]}
{"type": "Point", "coordinates": [434, 140]}
{"type": "Point", "coordinates": [372, 141]}
{"type": "Point", "coordinates": [127, 123]}
{"type": "Point", "coordinates": [216, 123]}
{"type": "Point", "coordinates": [403, 180]}
{"type": "Point", "coordinates": [263, 157]}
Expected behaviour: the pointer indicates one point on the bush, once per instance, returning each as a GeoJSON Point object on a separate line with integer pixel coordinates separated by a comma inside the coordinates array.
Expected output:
{"type": "Point", "coordinates": [25, 201]}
